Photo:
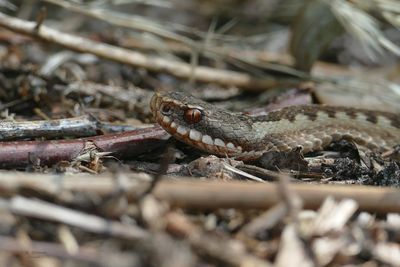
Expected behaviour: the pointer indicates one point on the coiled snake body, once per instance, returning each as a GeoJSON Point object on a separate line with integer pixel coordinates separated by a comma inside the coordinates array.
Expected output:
{"type": "Point", "coordinates": [311, 127]}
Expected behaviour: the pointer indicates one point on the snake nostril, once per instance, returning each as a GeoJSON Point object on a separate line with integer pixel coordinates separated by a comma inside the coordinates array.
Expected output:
{"type": "Point", "coordinates": [193, 115]}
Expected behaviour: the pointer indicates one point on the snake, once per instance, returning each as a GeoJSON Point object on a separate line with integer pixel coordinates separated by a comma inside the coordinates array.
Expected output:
{"type": "Point", "coordinates": [308, 127]}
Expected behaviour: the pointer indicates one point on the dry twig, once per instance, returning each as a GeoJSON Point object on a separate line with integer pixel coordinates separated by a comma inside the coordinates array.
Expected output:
{"type": "Point", "coordinates": [196, 194]}
{"type": "Point", "coordinates": [48, 211]}
{"type": "Point", "coordinates": [76, 127]}
{"type": "Point", "coordinates": [203, 195]}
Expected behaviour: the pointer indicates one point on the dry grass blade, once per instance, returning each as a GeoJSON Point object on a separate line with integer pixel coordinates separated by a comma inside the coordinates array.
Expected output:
{"type": "Point", "coordinates": [7, 4]}
{"type": "Point", "coordinates": [363, 27]}
{"type": "Point", "coordinates": [390, 9]}
{"type": "Point", "coordinates": [157, 64]}
{"type": "Point", "coordinates": [315, 28]}
{"type": "Point", "coordinates": [209, 47]}
{"type": "Point", "coordinates": [122, 20]}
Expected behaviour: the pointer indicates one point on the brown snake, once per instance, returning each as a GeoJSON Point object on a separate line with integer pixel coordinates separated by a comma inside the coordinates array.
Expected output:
{"type": "Point", "coordinates": [312, 127]}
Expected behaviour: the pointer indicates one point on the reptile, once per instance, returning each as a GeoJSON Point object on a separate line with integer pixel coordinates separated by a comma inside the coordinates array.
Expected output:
{"type": "Point", "coordinates": [310, 127]}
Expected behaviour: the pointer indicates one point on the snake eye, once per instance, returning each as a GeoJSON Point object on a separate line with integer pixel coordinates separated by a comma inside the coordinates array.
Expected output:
{"type": "Point", "coordinates": [193, 115]}
{"type": "Point", "coordinates": [166, 109]}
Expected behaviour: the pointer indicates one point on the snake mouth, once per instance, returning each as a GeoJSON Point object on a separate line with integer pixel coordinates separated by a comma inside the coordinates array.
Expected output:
{"type": "Point", "coordinates": [189, 135]}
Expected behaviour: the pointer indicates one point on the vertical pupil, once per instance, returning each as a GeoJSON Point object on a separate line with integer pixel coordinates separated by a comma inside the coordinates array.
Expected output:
{"type": "Point", "coordinates": [192, 116]}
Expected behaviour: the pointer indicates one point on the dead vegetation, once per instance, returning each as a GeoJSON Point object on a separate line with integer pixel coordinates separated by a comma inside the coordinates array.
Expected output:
{"type": "Point", "coordinates": [88, 179]}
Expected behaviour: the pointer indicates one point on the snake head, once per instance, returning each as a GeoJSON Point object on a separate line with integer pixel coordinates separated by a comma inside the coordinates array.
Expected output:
{"type": "Point", "coordinates": [201, 124]}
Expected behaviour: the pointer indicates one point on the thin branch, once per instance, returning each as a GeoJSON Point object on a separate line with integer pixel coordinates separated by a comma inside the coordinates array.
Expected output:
{"type": "Point", "coordinates": [48, 211]}
{"type": "Point", "coordinates": [51, 185]}
{"type": "Point", "coordinates": [49, 249]}
{"type": "Point", "coordinates": [206, 195]}
{"type": "Point", "coordinates": [127, 144]}
{"type": "Point", "coordinates": [77, 127]}
{"type": "Point", "coordinates": [195, 194]}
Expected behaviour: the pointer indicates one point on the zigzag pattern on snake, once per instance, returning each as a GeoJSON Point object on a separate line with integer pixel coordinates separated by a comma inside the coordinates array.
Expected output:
{"type": "Point", "coordinates": [313, 127]}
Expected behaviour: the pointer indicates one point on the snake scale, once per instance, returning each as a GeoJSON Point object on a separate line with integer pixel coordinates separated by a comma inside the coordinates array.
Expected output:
{"type": "Point", "coordinates": [311, 127]}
